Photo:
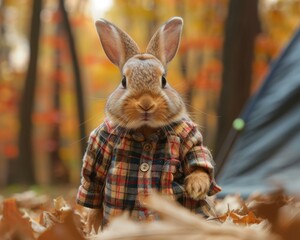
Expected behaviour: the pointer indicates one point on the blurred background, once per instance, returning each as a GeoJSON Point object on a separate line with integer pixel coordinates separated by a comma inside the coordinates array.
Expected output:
{"type": "Point", "coordinates": [55, 78]}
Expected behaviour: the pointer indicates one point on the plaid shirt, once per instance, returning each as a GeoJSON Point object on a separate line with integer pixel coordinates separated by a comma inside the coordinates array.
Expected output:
{"type": "Point", "coordinates": [120, 165]}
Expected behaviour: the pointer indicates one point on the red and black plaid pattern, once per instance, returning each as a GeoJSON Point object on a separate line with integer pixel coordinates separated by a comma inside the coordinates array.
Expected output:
{"type": "Point", "coordinates": [121, 165]}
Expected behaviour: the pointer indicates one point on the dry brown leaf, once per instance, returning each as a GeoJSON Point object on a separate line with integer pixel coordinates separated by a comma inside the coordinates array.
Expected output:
{"type": "Point", "coordinates": [249, 218]}
{"type": "Point", "coordinates": [291, 231]}
{"type": "Point", "coordinates": [269, 209]}
{"type": "Point", "coordinates": [14, 225]}
{"type": "Point", "coordinates": [61, 208]}
{"type": "Point", "coordinates": [230, 202]}
{"type": "Point", "coordinates": [30, 200]}
{"type": "Point", "coordinates": [240, 217]}
{"type": "Point", "coordinates": [282, 212]}
{"type": "Point", "coordinates": [288, 213]}
{"type": "Point", "coordinates": [37, 228]}
{"type": "Point", "coordinates": [47, 219]}
{"type": "Point", "coordinates": [64, 231]}
{"type": "Point", "coordinates": [57, 214]}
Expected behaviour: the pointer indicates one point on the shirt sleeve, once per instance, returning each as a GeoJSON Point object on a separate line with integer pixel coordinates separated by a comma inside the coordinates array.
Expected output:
{"type": "Point", "coordinates": [94, 170]}
{"type": "Point", "coordinates": [198, 156]}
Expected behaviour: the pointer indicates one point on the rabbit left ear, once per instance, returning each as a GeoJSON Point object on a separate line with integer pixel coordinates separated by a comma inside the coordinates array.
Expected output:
{"type": "Point", "coordinates": [164, 43]}
{"type": "Point", "coordinates": [118, 45]}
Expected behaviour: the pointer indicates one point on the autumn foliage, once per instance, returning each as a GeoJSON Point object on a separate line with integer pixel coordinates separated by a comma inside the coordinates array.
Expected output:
{"type": "Point", "coordinates": [196, 73]}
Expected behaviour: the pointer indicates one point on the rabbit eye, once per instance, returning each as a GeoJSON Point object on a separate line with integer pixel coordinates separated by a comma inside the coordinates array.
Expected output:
{"type": "Point", "coordinates": [124, 82]}
{"type": "Point", "coordinates": [163, 82]}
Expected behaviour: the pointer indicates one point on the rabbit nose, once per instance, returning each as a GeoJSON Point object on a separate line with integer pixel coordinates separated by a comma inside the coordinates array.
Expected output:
{"type": "Point", "coordinates": [146, 108]}
{"type": "Point", "coordinates": [146, 104]}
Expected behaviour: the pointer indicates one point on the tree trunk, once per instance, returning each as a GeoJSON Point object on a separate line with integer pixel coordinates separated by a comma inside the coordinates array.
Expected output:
{"type": "Point", "coordinates": [59, 171]}
{"type": "Point", "coordinates": [241, 28]}
{"type": "Point", "coordinates": [77, 76]}
{"type": "Point", "coordinates": [22, 169]}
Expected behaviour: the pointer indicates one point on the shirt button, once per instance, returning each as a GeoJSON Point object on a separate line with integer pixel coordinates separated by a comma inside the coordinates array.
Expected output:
{"type": "Point", "coordinates": [138, 137]}
{"type": "Point", "coordinates": [147, 147]}
{"type": "Point", "coordinates": [144, 167]}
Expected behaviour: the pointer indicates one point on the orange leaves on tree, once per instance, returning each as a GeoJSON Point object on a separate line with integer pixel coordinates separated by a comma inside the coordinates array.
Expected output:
{"type": "Point", "coordinates": [53, 41]}
{"type": "Point", "coordinates": [201, 43]}
{"type": "Point", "coordinates": [10, 151]}
{"type": "Point", "coordinates": [48, 117]}
{"type": "Point", "coordinates": [265, 45]}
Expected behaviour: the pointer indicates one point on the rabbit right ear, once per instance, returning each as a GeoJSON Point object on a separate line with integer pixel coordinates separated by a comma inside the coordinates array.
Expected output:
{"type": "Point", "coordinates": [118, 45]}
{"type": "Point", "coordinates": [165, 41]}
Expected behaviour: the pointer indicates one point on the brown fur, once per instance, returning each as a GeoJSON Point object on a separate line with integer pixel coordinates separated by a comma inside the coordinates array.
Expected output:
{"type": "Point", "coordinates": [143, 73]}
{"type": "Point", "coordinates": [197, 184]}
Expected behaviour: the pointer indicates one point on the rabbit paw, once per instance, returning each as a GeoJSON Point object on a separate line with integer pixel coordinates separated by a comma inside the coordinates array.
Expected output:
{"type": "Point", "coordinates": [197, 184]}
{"type": "Point", "coordinates": [94, 219]}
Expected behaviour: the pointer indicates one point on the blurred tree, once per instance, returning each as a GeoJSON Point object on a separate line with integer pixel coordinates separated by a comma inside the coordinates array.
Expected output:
{"type": "Point", "coordinates": [242, 27]}
{"type": "Point", "coordinates": [77, 74]}
{"type": "Point", "coordinates": [59, 171]}
{"type": "Point", "coordinates": [3, 43]}
{"type": "Point", "coordinates": [22, 170]}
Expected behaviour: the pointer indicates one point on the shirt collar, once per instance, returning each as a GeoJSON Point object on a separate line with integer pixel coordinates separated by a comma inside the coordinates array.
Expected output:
{"type": "Point", "coordinates": [181, 129]}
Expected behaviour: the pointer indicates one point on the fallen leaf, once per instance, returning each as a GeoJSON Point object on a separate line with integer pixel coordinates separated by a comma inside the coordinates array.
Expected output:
{"type": "Point", "coordinates": [65, 230]}
{"type": "Point", "coordinates": [13, 223]}
{"type": "Point", "coordinates": [30, 200]}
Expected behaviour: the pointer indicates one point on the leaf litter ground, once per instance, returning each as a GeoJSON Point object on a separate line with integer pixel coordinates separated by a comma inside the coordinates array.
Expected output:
{"type": "Point", "coordinates": [33, 216]}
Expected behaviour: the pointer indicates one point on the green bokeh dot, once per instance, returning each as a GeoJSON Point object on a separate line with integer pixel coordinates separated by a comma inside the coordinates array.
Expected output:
{"type": "Point", "coordinates": [238, 124]}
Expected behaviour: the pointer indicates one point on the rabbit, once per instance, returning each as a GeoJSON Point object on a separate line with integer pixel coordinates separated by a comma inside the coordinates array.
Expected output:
{"type": "Point", "coordinates": [147, 141]}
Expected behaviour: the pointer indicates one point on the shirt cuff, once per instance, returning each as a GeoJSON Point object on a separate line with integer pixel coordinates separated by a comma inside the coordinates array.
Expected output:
{"type": "Point", "coordinates": [89, 199]}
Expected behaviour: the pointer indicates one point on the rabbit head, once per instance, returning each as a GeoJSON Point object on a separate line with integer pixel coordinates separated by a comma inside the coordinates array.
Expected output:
{"type": "Point", "coordinates": [144, 97]}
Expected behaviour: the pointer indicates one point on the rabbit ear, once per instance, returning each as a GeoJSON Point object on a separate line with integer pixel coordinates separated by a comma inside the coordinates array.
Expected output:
{"type": "Point", "coordinates": [117, 44]}
{"type": "Point", "coordinates": [165, 41]}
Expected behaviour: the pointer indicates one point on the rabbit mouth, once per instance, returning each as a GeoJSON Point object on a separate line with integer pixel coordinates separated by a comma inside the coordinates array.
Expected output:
{"type": "Point", "coordinates": [146, 116]}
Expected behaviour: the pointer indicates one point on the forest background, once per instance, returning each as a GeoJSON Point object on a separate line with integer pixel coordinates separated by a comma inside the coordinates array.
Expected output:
{"type": "Point", "coordinates": [42, 137]}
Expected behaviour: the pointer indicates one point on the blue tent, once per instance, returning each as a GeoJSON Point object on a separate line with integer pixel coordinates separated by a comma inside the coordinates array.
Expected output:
{"type": "Point", "coordinates": [266, 154]}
